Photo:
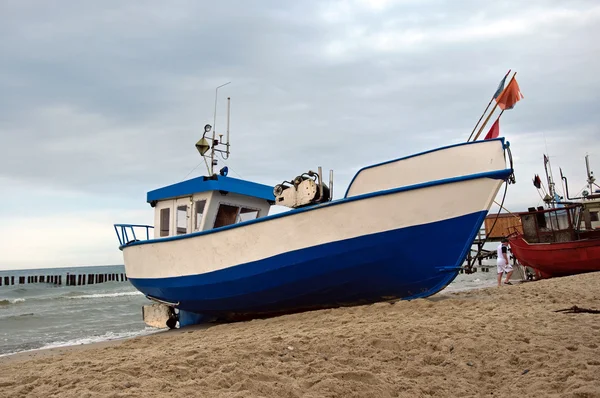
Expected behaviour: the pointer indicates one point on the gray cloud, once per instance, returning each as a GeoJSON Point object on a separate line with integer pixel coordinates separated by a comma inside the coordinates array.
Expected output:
{"type": "Point", "coordinates": [104, 97]}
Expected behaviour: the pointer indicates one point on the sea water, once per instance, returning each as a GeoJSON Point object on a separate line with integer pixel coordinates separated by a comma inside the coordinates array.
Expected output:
{"type": "Point", "coordinates": [42, 315]}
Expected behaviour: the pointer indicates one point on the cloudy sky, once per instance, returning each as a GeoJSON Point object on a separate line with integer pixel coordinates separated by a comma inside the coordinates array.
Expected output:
{"type": "Point", "coordinates": [102, 101]}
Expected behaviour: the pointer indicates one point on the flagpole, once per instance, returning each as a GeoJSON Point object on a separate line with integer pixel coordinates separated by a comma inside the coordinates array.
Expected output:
{"type": "Point", "coordinates": [495, 121]}
{"type": "Point", "coordinates": [485, 122]}
{"type": "Point", "coordinates": [500, 115]}
{"type": "Point", "coordinates": [486, 108]}
{"type": "Point", "coordinates": [493, 109]}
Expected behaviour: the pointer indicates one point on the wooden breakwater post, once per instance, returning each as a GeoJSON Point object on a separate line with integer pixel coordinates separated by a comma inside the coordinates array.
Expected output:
{"type": "Point", "coordinates": [70, 279]}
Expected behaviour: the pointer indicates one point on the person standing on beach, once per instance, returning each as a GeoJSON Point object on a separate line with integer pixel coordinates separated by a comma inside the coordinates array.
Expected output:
{"type": "Point", "coordinates": [502, 263]}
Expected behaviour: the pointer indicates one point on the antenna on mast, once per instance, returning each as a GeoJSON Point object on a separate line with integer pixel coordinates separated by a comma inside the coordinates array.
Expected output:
{"type": "Point", "coordinates": [226, 156]}
{"type": "Point", "coordinates": [203, 145]}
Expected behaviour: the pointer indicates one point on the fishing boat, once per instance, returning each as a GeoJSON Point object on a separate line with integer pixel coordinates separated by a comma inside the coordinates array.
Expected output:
{"type": "Point", "coordinates": [563, 239]}
{"type": "Point", "coordinates": [215, 253]}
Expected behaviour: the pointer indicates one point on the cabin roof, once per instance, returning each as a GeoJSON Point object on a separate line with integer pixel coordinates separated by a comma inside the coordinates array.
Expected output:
{"type": "Point", "coordinates": [214, 183]}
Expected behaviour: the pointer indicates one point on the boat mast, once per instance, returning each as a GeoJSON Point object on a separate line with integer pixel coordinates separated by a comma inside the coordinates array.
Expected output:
{"type": "Point", "coordinates": [551, 191]}
{"type": "Point", "coordinates": [213, 161]}
{"type": "Point", "coordinates": [225, 157]}
{"type": "Point", "coordinates": [203, 145]}
{"type": "Point", "coordinates": [590, 174]}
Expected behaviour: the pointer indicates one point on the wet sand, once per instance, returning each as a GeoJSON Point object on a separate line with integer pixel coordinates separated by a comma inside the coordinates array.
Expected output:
{"type": "Point", "coordinates": [500, 342]}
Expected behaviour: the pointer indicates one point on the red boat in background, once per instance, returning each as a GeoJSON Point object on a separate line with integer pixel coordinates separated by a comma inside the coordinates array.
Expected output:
{"type": "Point", "coordinates": [553, 245]}
{"type": "Point", "coordinates": [564, 239]}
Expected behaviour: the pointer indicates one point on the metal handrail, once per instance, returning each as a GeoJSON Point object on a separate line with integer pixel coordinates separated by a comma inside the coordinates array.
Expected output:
{"type": "Point", "coordinates": [122, 229]}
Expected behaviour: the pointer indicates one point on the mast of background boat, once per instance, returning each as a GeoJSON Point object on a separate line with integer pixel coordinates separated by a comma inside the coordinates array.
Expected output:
{"type": "Point", "coordinates": [565, 185]}
{"type": "Point", "coordinates": [590, 180]}
{"type": "Point", "coordinates": [590, 175]}
{"type": "Point", "coordinates": [550, 178]}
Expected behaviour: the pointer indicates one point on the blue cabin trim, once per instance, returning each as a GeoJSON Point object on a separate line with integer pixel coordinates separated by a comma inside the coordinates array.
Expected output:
{"type": "Point", "coordinates": [419, 154]}
{"type": "Point", "coordinates": [214, 183]}
{"type": "Point", "coordinates": [497, 175]}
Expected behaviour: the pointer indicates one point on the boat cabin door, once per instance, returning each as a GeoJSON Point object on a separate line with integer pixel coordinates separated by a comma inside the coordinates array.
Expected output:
{"type": "Point", "coordinates": [183, 221]}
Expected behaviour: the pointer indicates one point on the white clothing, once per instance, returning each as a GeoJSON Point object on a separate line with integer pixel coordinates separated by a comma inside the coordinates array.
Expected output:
{"type": "Point", "coordinates": [501, 263]}
{"type": "Point", "coordinates": [502, 268]}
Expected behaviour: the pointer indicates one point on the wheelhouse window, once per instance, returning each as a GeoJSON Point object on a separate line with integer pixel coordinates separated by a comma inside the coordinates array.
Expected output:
{"type": "Point", "coordinates": [181, 220]}
{"type": "Point", "coordinates": [594, 216]}
{"type": "Point", "coordinates": [165, 217]}
{"type": "Point", "coordinates": [198, 213]}
{"type": "Point", "coordinates": [226, 215]}
{"type": "Point", "coordinates": [247, 214]}
{"type": "Point", "coordinates": [229, 214]}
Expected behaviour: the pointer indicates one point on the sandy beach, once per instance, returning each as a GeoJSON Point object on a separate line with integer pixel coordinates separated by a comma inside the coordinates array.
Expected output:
{"type": "Point", "coordinates": [501, 342]}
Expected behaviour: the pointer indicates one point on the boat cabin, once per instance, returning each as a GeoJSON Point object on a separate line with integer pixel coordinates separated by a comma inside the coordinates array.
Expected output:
{"type": "Point", "coordinates": [591, 211]}
{"type": "Point", "coordinates": [204, 203]}
{"type": "Point", "coordinates": [561, 224]}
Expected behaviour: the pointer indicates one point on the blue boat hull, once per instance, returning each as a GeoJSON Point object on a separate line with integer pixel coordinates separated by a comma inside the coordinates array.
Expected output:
{"type": "Point", "coordinates": [406, 263]}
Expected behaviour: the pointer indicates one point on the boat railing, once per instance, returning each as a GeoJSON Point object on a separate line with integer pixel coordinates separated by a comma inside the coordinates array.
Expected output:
{"type": "Point", "coordinates": [126, 233]}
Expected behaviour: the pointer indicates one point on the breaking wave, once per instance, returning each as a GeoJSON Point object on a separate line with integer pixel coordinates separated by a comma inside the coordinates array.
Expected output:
{"type": "Point", "coordinates": [105, 337]}
{"type": "Point", "coordinates": [104, 295]}
{"type": "Point", "coordinates": [108, 336]}
{"type": "Point", "coordinates": [11, 301]}
{"type": "Point", "coordinates": [70, 296]}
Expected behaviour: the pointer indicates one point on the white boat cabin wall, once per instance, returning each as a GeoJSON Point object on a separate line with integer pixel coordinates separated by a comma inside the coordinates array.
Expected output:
{"type": "Point", "coordinates": [203, 211]}
{"type": "Point", "coordinates": [591, 213]}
